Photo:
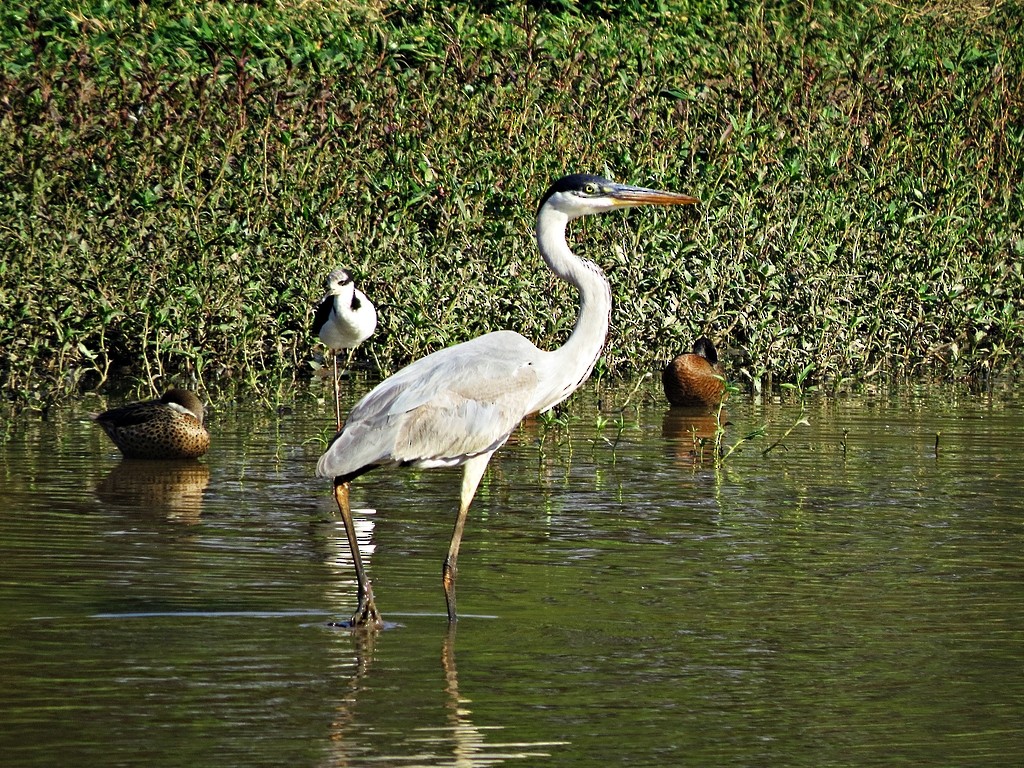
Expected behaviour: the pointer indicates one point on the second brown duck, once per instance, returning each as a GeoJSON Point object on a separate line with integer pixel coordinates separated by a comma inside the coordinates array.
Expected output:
{"type": "Point", "coordinates": [694, 379]}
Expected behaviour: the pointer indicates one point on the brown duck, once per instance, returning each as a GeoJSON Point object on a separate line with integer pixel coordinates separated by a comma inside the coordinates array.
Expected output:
{"type": "Point", "coordinates": [168, 428]}
{"type": "Point", "coordinates": [694, 379]}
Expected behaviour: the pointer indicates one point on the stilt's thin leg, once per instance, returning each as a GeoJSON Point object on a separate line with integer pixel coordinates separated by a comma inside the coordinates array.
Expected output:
{"type": "Point", "coordinates": [366, 614]}
{"type": "Point", "coordinates": [473, 470]}
{"type": "Point", "coordinates": [337, 393]}
{"type": "Point", "coordinates": [337, 386]}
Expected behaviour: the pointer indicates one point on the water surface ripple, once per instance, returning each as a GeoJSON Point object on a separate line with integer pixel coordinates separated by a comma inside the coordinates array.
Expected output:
{"type": "Point", "coordinates": [854, 597]}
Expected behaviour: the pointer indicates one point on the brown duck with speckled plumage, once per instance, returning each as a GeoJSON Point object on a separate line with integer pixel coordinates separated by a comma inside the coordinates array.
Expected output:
{"type": "Point", "coordinates": [168, 428]}
{"type": "Point", "coordinates": [694, 379]}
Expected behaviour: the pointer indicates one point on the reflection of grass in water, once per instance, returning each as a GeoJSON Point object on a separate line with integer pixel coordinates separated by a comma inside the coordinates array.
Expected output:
{"type": "Point", "coordinates": [556, 422]}
{"type": "Point", "coordinates": [620, 417]}
{"type": "Point", "coordinates": [723, 452]}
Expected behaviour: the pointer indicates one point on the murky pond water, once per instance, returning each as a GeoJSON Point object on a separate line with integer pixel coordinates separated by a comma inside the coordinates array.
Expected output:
{"type": "Point", "coordinates": [855, 597]}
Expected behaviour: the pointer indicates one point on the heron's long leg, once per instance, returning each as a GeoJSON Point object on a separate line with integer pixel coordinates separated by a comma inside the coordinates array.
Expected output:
{"type": "Point", "coordinates": [472, 471]}
{"type": "Point", "coordinates": [366, 613]}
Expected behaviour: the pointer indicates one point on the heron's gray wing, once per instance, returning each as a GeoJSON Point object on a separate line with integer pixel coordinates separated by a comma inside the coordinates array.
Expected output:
{"type": "Point", "coordinates": [442, 409]}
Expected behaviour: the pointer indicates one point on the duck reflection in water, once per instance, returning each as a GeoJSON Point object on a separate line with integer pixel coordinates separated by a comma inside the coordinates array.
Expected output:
{"type": "Point", "coordinates": [172, 488]}
{"type": "Point", "coordinates": [689, 433]}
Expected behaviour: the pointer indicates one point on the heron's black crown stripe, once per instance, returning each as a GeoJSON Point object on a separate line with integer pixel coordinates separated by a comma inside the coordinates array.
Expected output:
{"type": "Point", "coordinates": [570, 182]}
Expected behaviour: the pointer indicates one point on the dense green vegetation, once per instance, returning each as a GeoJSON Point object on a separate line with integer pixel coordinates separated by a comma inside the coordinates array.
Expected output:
{"type": "Point", "coordinates": [176, 179]}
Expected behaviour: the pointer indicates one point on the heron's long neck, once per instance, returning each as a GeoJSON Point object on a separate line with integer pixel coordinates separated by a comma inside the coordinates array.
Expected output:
{"type": "Point", "coordinates": [575, 359]}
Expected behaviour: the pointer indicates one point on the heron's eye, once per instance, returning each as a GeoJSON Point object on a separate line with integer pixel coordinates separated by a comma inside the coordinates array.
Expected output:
{"type": "Point", "coordinates": [591, 188]}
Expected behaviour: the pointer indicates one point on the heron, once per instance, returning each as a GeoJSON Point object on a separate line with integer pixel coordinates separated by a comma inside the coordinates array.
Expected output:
{"type": "Point", "coordinates": [344, 319]}
{"type": "Point", "coordinates": [168, 428]}
{"type": "Point", "coordinates": [694, 379]}
{"type": "Point", "coordinates": [458, 405]}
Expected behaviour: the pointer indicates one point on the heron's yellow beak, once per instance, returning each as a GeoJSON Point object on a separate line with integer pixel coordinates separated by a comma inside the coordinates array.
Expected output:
{"type": "Point", "coordinates": [629, 196]}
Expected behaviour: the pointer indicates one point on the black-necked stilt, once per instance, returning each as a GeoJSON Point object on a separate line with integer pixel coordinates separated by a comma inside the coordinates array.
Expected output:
{"type": "Point", "coordinates": [344, 319]}
{"type": "Point", "coordinates": [168, 428]}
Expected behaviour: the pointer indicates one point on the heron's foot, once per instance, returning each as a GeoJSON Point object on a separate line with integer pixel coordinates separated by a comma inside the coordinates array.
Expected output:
{"type": "Point", "coordinates": [367, 617]}
{"type": "Point", "coordinates": [366, 614]}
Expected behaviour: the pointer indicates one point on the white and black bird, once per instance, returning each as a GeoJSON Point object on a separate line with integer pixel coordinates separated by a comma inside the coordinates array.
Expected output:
{"type": "Point", "coordinates": [459, 405]}
{"type": "Point", "coordinates": [344, 319]}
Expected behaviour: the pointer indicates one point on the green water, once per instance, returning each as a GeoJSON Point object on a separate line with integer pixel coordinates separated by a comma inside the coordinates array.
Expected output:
{"type": "Point", "coordinates": [855, 598]}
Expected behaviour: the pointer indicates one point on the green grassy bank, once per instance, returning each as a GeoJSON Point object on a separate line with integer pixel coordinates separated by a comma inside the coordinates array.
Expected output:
{"type": "Point", "coordinates": [176, 179]}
